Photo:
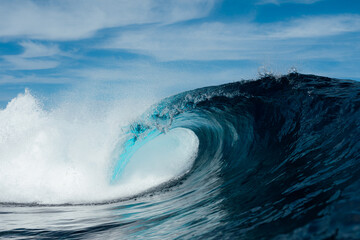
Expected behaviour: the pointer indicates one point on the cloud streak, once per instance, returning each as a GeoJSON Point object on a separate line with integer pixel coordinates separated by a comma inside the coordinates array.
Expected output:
{"type": "Point", "coordinates": [35, 56]}
{"type": "Point", "coordinates": [278, 2]}
{"type": "Point", "coordinates": [71, 20]}
{"type": "Point", "coordinates": [236, 41]}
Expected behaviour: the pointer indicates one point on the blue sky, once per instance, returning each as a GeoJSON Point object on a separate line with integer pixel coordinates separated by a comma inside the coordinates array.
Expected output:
{"type": "Point", "coordinates": [50, 46]}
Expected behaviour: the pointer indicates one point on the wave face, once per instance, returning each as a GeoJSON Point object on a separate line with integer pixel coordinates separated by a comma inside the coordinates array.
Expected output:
{"type": "Point", "coordinates": [275, 158]}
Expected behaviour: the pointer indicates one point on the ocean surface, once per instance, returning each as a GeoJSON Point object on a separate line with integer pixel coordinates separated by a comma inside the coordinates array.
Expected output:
{"type": "Point", "coordinates": [273, 158]}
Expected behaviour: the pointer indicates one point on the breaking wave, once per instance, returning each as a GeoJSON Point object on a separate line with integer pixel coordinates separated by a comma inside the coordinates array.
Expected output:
{"type": "Point", "coordinates": [278, 157]}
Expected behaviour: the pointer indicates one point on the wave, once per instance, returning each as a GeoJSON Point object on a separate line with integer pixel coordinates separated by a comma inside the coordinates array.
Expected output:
{"type": "Point", "coordinates": [277, 157]}
{"type": "Point", "coordinates": [284, 151]}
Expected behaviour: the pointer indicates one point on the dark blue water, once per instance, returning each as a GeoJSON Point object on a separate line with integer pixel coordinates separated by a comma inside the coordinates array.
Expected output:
{"type": "Point", "coordinates": [279, 158]}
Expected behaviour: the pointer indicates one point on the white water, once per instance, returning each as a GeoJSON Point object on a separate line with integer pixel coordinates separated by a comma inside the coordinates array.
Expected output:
{"type": "Point", "coordinates": [65, 155]}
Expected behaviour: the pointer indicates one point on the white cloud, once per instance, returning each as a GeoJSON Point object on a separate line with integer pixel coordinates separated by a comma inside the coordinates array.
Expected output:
{"type": "Point", "coordinates": [236, 41]}
{"type": "Point", "coordinates": [318, 26]}
{"type": "Point", "coordinates": [34, 78]}
{"type": "Point", "coordinates": [33, 49]}
{"type": "Point", "coordinates": [19, 63]}
{"type": "Point", "coordinates": [35, 56]}
{"type": "Point", "coordinates": [278, 2]}
{"type": "Point", "coordinates": [68, 19]}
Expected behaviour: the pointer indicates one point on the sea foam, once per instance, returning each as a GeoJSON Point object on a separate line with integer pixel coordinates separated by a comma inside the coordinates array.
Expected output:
{"type": "Point", "coordinates": [65, 155]}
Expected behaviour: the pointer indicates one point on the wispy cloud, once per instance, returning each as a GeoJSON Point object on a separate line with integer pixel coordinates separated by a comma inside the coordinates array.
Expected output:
{"type": "Point", "coordinates": [323, 26]}
{"type": "Point", "coordinates": [151, 42]}
{"type": "Point", "coordinates": [18, 63]}
{"type": "Point", "coordinates": [67, 19]}
{"type": "Point", "coordinates": [33, 49]}
{"type": "Point", "coordinates": [278, 2]}
{"type": "Point", "coordinates": [236, 41]}
{"type": "Point", "coordinates": [34, 78]}
{"type": "Point", "coordinates": [35, 56]}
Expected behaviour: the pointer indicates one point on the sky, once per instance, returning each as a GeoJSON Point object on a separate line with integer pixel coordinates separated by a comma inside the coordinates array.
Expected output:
{"type": "Point", "coordinates": [51, 46]}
